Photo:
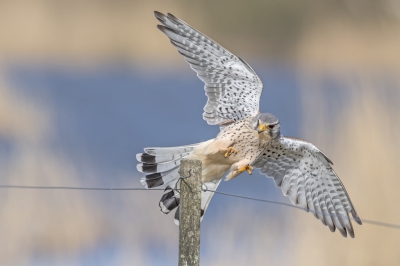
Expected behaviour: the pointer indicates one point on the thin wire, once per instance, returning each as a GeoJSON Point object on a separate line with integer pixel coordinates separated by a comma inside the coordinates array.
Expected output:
{"type": "Point", "coordinates": [255, 199]}
{"type": "Point", "coordinates": [395, 226]}
{"type": "Point", "coordinates": [76, 188]}
{"type": "Point", "coordinates": [388, 225]}
{"type": "Point", "coordinates": [182, 179]}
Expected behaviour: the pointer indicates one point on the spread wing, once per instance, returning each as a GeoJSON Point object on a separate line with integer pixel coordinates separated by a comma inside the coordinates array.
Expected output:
{"type": "Point", "coordinates": [232, 87]}
{"type": "Point", "coordinates": [305, 175]}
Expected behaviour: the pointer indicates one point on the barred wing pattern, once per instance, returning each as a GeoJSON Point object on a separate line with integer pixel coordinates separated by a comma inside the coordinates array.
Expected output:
{"type": "Point", "coordinates": [305, 175]}
{"type": "Point", "coordinates": [232, 87]}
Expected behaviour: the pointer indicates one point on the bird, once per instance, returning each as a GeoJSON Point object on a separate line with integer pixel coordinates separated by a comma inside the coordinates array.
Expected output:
{"type": "Point", "coordinates": [248, 139]}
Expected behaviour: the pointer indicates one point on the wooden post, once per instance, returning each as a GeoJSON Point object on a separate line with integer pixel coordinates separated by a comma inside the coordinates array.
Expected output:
{"type": "Point", "coordinates": [190, 213]}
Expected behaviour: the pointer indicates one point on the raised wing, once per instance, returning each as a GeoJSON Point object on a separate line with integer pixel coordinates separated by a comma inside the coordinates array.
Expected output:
{"type": "Point", "coordinates": [232, 87]}
{"type": "Point", "coordinates": [305, 175]}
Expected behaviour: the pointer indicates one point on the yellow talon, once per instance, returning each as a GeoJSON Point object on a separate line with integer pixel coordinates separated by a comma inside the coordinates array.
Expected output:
{"type": "Point", "coordinates": [229, 151]}
{"type": "Point", "coordinates": [247, 168]}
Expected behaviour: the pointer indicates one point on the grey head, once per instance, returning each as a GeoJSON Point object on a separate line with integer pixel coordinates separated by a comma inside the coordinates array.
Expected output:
{"type": "Point", "coordinates": [267, 123]}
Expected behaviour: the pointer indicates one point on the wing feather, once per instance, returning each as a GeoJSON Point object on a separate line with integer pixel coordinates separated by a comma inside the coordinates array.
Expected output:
{"type": "Point", "coordinates": [232, 87]}
{"type": "Point", "coordinates": [315, 188]}
{"type": "Point", "coordinates": [305, 174]}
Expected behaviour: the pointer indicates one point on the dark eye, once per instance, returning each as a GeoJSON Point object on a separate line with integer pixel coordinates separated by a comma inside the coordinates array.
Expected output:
{"type": "Point", "coordinates": [270, 126]}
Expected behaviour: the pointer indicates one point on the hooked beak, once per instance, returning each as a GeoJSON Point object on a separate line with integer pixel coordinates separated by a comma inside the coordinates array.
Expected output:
{"type": "Point", "coordinates": [261, 128]}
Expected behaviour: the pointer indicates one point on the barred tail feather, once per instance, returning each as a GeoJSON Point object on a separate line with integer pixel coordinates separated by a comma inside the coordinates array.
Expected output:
{"type": "Point", "coordinates": [162, 164]}
{"type": "Point", "coordinates": [162, 168]}
{"type": "Point", "coordinates": [158, 167]}
{"type": "Point", "coordinates": [169, 200]}
{"type": "Point", "coordinates": [159, 179]}
{"type": "Point", "coordinates": [170, 150]}
{"type": "Point", "coordinates": [152, 159]}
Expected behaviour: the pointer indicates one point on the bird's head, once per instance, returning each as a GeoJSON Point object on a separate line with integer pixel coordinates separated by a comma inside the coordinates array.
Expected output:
{"type": "Point", "coordinates": [266, 123]}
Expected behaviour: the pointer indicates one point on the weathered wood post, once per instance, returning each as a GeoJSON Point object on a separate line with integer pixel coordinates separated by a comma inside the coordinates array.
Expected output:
{"type": "Point", "coordinates": [190, 213]}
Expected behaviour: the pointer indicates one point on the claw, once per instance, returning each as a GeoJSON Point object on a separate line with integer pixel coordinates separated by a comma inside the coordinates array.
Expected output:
{"type": "Point", "coordinates": [247, 168]}
{"type": "Point", "coordinates": [229, 151]}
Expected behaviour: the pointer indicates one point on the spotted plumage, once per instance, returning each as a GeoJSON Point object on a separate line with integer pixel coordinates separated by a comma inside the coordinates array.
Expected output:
{"type": "Point", "coordinates": [248, 139]}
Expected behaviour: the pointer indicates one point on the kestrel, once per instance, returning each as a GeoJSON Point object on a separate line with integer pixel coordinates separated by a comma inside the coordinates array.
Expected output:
{"type": "Point", "coordinates": [247, 139]}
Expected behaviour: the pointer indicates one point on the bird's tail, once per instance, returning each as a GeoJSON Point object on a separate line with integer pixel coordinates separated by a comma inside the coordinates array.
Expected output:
{"type": "Point", "coordinates": [162, 168]}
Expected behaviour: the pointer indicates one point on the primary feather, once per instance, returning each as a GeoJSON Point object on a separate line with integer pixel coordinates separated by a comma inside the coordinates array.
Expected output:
{"type": "Point", "coordinates": [232, 87]}
{"type": "Point", "coordinates": [305, 174]}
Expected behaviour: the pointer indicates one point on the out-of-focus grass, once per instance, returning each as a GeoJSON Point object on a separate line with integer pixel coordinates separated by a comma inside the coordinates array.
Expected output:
{"type": "Point", "coordinates": [56, 227]}
{"type": "Point", "coordinates": [19, 118]}
{"type": "Point", "coordinates": [34, 222]}
{"type": "Point", "coordinates": [354, 43]}
{"type": "Point", "coordinates": [101, 31]}
{"type": "Point", "coordinates": [61, 226]}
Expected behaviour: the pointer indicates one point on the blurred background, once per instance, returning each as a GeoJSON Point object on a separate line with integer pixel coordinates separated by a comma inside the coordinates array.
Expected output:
{"type": "Point", "coordinates": [85, 85]}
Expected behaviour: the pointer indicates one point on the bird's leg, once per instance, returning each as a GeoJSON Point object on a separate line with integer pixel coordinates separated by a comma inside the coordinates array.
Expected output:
{"type": "Point", "coordinates": [238, 168]}
{"type": "Point", "coordinates": [230, 150]}
{"type": "Point", "coordinates": [247, 168]}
